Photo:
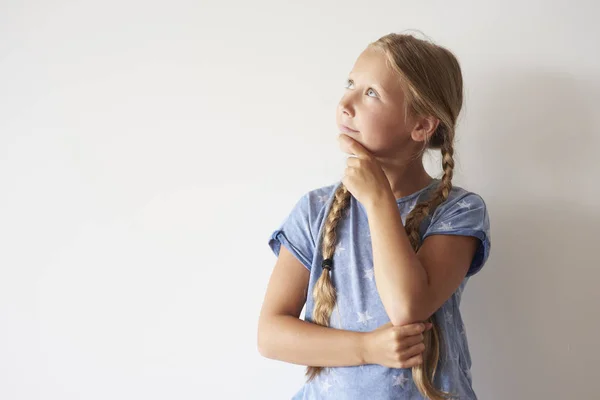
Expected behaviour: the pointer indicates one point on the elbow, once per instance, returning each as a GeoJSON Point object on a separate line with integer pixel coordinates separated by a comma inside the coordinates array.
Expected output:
{"type": "Point", "coordinates": [408, 314]}
{"type": "Point", "coordinates": [261, 346]}
{"type": "Point", "coordinates": [263, 350]}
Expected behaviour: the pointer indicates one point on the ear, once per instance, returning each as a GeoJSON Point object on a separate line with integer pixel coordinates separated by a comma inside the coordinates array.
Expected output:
{"type": "Point", "coordinates": [424, 128]}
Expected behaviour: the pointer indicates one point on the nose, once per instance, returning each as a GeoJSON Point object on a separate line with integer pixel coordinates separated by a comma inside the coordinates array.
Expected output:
{"type": "Point", "coordinates": [345, 107]}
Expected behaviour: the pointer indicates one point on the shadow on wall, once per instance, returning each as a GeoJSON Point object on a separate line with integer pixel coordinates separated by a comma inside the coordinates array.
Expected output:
{"type": "Point", "coordinates": [532, 323]}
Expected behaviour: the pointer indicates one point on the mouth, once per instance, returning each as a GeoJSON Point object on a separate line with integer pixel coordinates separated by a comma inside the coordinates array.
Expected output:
{"type": "Point", "coordinates": [345, 129]}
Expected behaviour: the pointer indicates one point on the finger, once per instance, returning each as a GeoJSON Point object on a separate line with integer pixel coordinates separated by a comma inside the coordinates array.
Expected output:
{"type": "Point", "coordinates": [413, 362]}
{"type": "Point", "coordinates": [354, 146]}
{"type": "Point", "coordinates": [352, 161]}
{"type": "Point", "coordinates": [413, 351]}
{"type": "Point", "coordinates": [410, 341]}
{"type": "Point", "coordinates": [412, 329]}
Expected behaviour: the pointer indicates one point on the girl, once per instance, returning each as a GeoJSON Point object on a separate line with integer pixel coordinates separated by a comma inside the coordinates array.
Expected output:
{"type": "Point", "coordinates": [386, 253]}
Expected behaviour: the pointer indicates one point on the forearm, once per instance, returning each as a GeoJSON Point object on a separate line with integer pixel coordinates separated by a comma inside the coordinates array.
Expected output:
{"type": "Point", "coordinates": [400, 278]}
{"type": "Point", "coordinates": [287, 338]}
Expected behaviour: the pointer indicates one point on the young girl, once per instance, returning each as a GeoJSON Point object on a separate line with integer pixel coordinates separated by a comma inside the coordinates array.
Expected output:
{"type": "Point", "coordinates": [381, 258]}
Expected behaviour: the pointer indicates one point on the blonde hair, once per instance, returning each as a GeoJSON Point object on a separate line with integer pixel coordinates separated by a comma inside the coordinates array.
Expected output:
{"type": "Point", "coordinates": [432, 81]}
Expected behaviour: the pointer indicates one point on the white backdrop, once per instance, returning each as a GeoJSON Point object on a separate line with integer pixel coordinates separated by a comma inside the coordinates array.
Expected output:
{"type": "Point", "coordinates": [148, 150]}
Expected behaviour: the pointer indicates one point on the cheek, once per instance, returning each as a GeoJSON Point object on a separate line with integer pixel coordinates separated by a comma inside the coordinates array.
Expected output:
{"type": "Point", "coordinates": [387, 125]}
{"type": "Point", "coordinates": [386, 130]}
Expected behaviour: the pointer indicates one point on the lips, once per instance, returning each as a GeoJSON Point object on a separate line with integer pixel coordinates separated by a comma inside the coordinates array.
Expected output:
{"type": "Point", "coordinates": [344, 128]}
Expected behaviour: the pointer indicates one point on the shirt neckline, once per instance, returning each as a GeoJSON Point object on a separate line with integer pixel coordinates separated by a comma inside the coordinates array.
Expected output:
{"type": "Point", "coordinates": [418, 192]}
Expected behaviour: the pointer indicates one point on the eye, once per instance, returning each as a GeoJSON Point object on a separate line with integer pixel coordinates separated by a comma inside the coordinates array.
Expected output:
{"type": "Point", "coordinates": [369, 90]}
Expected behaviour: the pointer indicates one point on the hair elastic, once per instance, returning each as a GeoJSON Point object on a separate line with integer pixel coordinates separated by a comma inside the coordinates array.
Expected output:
{"type": "Point", "coordinates": [327, 264]}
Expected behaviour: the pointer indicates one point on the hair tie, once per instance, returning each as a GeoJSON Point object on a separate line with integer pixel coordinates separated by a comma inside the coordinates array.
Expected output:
{"type": "Point", "coordinates": [327, 264]}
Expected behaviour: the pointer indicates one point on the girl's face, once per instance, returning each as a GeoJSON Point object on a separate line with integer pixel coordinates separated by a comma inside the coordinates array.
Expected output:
{"type": "Point", "coordinates": [373, 105]}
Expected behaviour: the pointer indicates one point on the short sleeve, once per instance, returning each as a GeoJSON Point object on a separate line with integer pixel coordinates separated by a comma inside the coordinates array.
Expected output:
{"type": "Point", "coordinates": [295, 232]}
{"type": "Point", "coordinates": [466, 215]}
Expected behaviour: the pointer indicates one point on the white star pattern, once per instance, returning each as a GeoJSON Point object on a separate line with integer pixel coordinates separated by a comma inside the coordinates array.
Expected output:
{"type": "Point", "coordinates": [445, 226]}
{"type": "Point", "coordinates": [448, 316]}
{"type": "Point", "coordinates": [363, 318]}
{"type": "Point", "coordinates": [464, 204]}
{"type": "Point", "coordinates": [400, 380]}
{"type": "Point", "coordinates": [359, 281]}
{"type": "Point", "coordinates": [333, 372]}
{"type": "Point", "coordinates": [339, 248]}
{"type": "Point", "coordinates": [325, 385]}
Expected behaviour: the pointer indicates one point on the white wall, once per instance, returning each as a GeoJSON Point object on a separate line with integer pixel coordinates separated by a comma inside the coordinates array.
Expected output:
{"type": "Point", "coordinates": [148, 149]}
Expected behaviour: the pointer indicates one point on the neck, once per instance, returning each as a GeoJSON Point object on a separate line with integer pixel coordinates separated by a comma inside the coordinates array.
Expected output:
{"type": "Point", "coordinates": [405, 178]}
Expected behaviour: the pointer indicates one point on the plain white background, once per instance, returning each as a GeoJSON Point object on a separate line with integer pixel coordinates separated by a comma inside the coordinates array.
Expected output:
{"type": "Point", "coordinates": [148, 150]}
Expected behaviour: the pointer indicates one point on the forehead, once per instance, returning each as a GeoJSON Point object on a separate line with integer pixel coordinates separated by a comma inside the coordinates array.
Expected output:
{"type": "Point", "coordinates": [371, 68]}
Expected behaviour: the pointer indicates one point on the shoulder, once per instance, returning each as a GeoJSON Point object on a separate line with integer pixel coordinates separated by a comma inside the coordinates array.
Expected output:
{"type": "Point", "coordinates": [299, 229]}
{"type": "Point", "coordinates": [312, 206]}
{"type": "Point", "coordinates": [318, 199]}
{"type": "Point", "coordinates": [463, 213]}
{"type": "Point", "coordinates": [461, 201]}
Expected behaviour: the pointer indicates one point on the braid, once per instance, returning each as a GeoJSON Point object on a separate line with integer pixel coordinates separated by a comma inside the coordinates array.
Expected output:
{"type": "Point", "coordinates": [324, 293]}
{"type": "Point", "coordinates": [424, 373]}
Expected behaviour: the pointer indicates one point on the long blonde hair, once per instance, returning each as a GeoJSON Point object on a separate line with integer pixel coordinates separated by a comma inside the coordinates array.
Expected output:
{"type": "Point", "coordinates": [432, 81]}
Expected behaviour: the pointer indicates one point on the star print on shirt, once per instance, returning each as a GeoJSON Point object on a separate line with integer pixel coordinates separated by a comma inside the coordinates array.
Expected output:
{"type": "Point", "coordinates": [369, 274]}
{"type": "Point", "coordinates": [445, 226]}
{"type": "Point", "coordinates": [339, 249]}
{"type": "Point", "coordinates": [323, 198]}
{"type": "Point", "coordinates": [325, 385]}
{"type": "Point", "coordinates": [363, 318]}
{"type": "Point", "coordinates": [448, 316]}
{"type": "Point", "coordinates": [464, 204]}
{"type": "Point", "coordinates": [400, 380]}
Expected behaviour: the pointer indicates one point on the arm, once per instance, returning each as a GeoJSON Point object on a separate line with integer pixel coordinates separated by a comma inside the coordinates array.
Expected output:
{"type": "Point", "coordinates": [283, 336]}
{"type": "Point", "coordinates": [287, 338]}
{"type": "Point", "coordinates": [412, 286]}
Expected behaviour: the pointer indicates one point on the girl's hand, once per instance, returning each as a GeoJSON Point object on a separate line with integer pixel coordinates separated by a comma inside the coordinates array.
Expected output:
{"type": "Point", "coordinates": [363, 176]}
{"type": "Point", "coordinates": [395, 346]}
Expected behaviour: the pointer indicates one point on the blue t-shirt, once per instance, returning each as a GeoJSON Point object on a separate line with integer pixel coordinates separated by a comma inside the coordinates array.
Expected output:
{"type": "Point", "coordinates": [359, 307]}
